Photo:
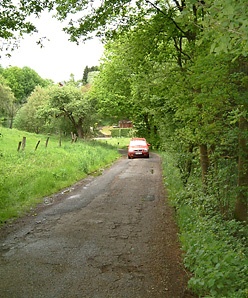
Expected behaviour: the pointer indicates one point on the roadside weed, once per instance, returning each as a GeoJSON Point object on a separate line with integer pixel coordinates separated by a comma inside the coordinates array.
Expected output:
{"type": "Point", "coordinates": [215, 250]}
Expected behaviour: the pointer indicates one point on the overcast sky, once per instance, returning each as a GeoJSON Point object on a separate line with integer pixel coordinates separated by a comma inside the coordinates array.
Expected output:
{"type": "Point", "coordinates": [58, 58]}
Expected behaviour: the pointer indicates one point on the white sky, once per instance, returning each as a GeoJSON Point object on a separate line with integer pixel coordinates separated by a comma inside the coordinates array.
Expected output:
{"type": "Point", "coordinates": [58, 58]}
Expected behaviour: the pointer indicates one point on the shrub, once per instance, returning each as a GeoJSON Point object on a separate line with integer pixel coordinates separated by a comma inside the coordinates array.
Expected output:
{"type": "Point", "coordinates": [216, 257]}
{"type": "Point", "coordinates": [215, 250]}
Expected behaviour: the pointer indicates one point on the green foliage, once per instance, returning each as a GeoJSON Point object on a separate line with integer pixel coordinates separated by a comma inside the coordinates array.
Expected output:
{"type": "Point", "coordinates": [218, 260]}
{"type": "Point", "coordinates": [111, 87]}
{"type": "Point", "coordinates": [73, 104]}
{"type": "Point", "coordinates": [131, 80]}
{"type": "Point", "coordinates": [6, 98]}
{"type": "Point", "coordinates": [89, 72]}
{"type": "Point", "coordinates": [8, 107]}
{"type": "Point", "coordinates": [173, 90]}
{"type": "Point", "coordinates": [224, 23]}
{"type": "Point", "coordinates": [215, 250]}
{"type": "Point", "coordinates": [28, 117]}
{"type": "Point", "coordinates": [122, 132]}
{"type": "Point", "coordinates": [28, 176]}
{"type": "Point", "coordinates": [103, 18]}
{"type": "Point", "coordinates": [229, 34]}
{"type": "Point", "coordinates": [22, 81]}
{"type": "Point", "coordinates": [13, 18]}
{"type": "Point", "coordinates": [222, 186]}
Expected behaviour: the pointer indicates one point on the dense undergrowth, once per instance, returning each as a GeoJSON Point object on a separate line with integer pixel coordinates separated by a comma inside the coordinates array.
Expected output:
{"type": "Point", "coordinates": [214, 248]}
{"type": "Point", "coordinates": [29, 175]}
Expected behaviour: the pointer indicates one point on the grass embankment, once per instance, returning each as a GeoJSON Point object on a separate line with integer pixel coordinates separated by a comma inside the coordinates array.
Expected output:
{"type": "Point", "coordinates": [215, 250]}
{"type": "Point", "coordinates": [29, 175]}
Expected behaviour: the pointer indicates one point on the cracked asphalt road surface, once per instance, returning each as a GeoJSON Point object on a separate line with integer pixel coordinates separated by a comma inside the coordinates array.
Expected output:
{"type": "Point", "coordinates": [108, 236]}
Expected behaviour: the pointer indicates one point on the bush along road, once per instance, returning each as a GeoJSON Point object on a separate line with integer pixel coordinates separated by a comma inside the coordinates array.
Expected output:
{"type": "Point", "coordinates": [108, 236]}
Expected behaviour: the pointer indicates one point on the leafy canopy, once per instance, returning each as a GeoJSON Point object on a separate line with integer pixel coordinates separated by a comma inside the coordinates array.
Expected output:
{"type": "Point", "coordinates": [223, 22]}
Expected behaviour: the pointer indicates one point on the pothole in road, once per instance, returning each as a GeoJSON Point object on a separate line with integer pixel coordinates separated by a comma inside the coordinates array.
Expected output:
{"type": "Point", "coordinates": [149, 198]}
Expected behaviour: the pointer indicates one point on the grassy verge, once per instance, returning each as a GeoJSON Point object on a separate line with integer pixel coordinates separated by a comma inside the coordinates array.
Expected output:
{"type": "Point", "coordinates": [29, 175]}
{"type": "Point", "coordinates": [215, 250]}
{"type": "Point", "coordinates": [119, 143]}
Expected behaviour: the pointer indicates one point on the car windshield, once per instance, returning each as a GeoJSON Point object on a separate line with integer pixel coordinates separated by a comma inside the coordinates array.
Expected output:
{"type": "Point", "coordinates": [138, 143]}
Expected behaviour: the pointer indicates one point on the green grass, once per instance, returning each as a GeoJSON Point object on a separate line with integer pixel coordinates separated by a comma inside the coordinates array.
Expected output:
{"type": "Point", "coordinates": [119, 143]}
{"type": "Point", "coordinates": [29, 175]}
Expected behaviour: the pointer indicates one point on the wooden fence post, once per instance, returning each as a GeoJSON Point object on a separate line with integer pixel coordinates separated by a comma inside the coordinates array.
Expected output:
{"type": "Point", "coordinates": [37, 145]}
{"type": "Point", "coordinates": [19, 146]}
{"type": "Point", "coordinates": [23, 143]}
{"type": "Point", "coordinates": [47, 141]}
{"type": "Point", "coordinates": [75, 138]}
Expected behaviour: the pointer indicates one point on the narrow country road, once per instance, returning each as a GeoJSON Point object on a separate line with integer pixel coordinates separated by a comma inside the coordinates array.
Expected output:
{"type": "Point", "coordinates": [108, 236]}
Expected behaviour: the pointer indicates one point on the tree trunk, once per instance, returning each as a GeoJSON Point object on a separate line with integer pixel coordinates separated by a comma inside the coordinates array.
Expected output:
{"type": "Point", "coordinates": [188, 164]}
{"type": "Point", "coordinates": [204, 163]}
{"type": "Point", "coordinates": [80, 131]}
{"type": "Point", "coordinates": [241, 207]}
{"type": "Point", "coordinates": [11, 122]}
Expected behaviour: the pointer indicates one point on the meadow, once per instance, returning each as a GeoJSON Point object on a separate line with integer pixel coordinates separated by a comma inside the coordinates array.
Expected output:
{"type": "Point", "coordinates": [29, 175]}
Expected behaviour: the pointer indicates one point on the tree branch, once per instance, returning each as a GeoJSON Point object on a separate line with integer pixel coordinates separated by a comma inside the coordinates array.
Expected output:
{"type": "Point", "coordinates": [179, 48]}
{"type": "Point", "coordinates": [180, 7]}
{"type": "Point", "coordinates": [171, 19]}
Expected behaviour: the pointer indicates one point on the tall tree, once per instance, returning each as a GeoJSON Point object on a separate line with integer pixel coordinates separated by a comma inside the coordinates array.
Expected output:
{"type": "Point", "coordinates": [72, 103]}
{"type": "Point", "coordinates": [28, 117]}
{"type": "Point", "coordinates": [7, 101]}
{"type": "Point", "coordinates": [22, 81]}
{"type": "Point", "coordinates": [88, 73]}
{"type": "Point", "coordinates": [169, 77]}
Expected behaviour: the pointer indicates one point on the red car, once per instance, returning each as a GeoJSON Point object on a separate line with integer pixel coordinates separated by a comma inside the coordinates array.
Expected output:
{"type": "Point", "coordinates": [138, 147]}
